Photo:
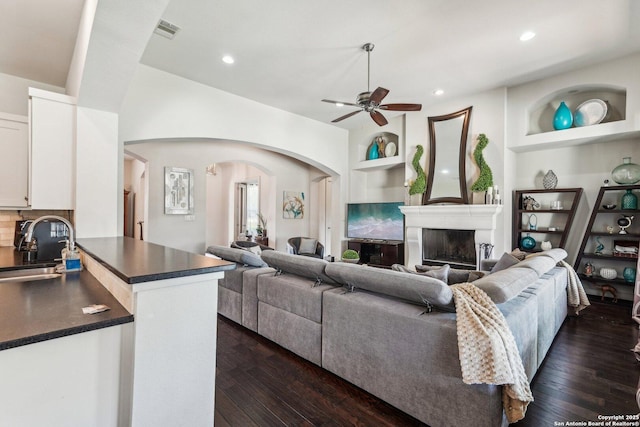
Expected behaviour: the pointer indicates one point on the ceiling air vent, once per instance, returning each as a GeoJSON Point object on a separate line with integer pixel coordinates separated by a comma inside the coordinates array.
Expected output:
{"type": "Point", "coordinates": [166, 29]}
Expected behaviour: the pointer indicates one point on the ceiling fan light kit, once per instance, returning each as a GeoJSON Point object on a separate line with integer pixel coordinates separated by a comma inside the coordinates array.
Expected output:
{"type": "Point", "coordinates": [370, 101]}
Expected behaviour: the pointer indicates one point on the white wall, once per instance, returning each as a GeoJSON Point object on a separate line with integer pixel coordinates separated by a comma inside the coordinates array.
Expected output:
{"type": "Point", "coordinates": [15, 93]}
{"type": "Point", "coordinates": [97, 189]}
{"type": "Point", "coordinates": [172, 230]}
{"type": "Point", "coordinates": [487, 117]}
{"type": "Point", "coordinates": [159, 105]}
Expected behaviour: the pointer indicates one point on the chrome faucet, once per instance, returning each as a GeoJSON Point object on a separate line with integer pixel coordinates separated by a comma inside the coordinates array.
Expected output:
{"type": "Point", "coordinates": [29, 236]}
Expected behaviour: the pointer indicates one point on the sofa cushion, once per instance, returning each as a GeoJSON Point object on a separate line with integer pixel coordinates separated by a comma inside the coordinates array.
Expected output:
{"type": "Point", "coordinates": [407, 286]}
{"type": "Point", "coordinates": [307, 246]}
{"type": "Point", "coordinates": [506, 284]}
{"type": "Point", "coordinates": [557, 254]}
{"type": "Point", "coordinates": [542, 262]}
{"type": "Point", "coordinates": [312, 268]}
{"type": "Point", "coordinates": [237, 255]}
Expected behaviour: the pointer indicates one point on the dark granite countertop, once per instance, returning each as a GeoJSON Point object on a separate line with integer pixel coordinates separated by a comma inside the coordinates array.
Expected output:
{"type": "Point", "coordinates": [39, 310]}
{"type": "Point", "coordinates": [137, 261]}
{"type": "Point", "coordinates": [11, 259]}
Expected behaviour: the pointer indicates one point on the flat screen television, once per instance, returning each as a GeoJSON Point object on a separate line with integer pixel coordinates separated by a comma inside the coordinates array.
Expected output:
{"type": "Point", "coordinates": [376, 221]}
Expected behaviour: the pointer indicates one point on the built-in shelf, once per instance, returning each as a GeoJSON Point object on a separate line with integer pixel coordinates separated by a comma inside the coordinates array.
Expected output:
{"type": "Point", "coordinates": [531, 116]}
{"type": "Point", "coordinates": [379, 164]}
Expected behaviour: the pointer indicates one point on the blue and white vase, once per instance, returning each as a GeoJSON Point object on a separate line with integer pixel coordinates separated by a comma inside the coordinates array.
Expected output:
{"type": "Point", "coordinates": [563, 118]}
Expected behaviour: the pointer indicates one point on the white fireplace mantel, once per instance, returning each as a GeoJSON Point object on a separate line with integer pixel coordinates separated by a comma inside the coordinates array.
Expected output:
{"type": "Point", "coordinates": [480, 218]}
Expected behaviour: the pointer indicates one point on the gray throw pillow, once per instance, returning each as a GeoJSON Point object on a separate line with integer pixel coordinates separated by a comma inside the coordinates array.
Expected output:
{"type": "Point", "coordinates": [505, 261]}
{"type": "Point", "coordinates": [454, 275]}
{"type": "Point", "coordinates": [237, 255]}
{"type": "Point", "coordinates": [518, 254]}
{"type": "Point", "coordinates": [440, 272]}
{"type": "Point", "coordinates": [307, 246]}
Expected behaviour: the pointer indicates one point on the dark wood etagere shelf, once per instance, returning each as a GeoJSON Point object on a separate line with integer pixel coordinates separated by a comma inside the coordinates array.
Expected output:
{"type": "Point", "coordinates": [596, 229]}
{"type": "Point", "coordinates": [562, 217]}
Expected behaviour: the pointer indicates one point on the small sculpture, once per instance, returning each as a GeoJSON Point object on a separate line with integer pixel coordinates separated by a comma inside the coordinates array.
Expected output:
{"type": "Point", "coordinates": [624, 223]}
{"type": "Point", "coordinates": [612, 290]}
{"type": "Point", "coordinates": [529, 203]}
{"type": "Point", "coordinates": [610, 229]}
{"type": "Point", "coordinates": [588, 269]}
{"type": "Point", "coordinates": [599, 247]}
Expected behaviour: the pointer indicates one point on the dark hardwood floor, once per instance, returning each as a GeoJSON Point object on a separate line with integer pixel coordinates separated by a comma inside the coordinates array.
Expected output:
{"type": "Point", "coordinates": [589, 370]}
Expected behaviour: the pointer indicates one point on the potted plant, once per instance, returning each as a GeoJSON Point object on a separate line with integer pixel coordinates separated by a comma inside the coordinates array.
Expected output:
{"type": "Point", "coordinates": [261, 229]}
{"type": "Point", "coordinates": [485, 179]}
{"type": "Point", "coordinates": [350, 256]}
{"type": "Point", "coordinates": [419, 186]}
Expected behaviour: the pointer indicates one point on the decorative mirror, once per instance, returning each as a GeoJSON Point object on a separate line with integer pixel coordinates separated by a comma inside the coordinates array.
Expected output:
{"type": "Point", "coordinates": [447, 180]}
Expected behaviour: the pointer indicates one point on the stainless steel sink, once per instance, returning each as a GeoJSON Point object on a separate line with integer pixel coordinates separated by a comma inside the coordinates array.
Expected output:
{"type": "Point", "coordinates": [28, 274]}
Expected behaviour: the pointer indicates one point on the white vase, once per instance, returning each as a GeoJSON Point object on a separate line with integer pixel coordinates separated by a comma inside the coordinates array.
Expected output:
{"type": "Point", "coordinates": [545, 246]}
{"type": "Point", "coordinates": [608, 273]}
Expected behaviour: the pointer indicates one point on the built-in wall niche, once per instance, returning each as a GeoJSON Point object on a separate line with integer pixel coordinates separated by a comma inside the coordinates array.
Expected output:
{"type": "Point", "coordinates": [389, 152]}
{"type": "Point", "coordinates": [540, 114]}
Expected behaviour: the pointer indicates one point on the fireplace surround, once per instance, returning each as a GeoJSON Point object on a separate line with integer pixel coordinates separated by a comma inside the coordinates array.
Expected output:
{"type": "Point", "coordinates": [481, 219]}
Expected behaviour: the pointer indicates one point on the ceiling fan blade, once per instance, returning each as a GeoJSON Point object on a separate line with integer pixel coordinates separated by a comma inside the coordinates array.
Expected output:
{"type": "Point", "coordinates": [346, 116]}
{"type": "Point", "coordinates": [378, 118]}
{"type": "Point", "coordinates": [378, 95]}
{"type": "Point", "coordinates": [401, 107]}
{"type": "Point", "coordinates": [351, 104]}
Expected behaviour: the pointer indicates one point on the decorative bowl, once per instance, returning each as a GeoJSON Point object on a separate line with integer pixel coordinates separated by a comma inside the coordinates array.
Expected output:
{"type": "Point", "coordinates": [609, 206]}
{"type": "Point", "coordinates": [608, 273]}
{"type": "Point", "coordinates": [351, 260]}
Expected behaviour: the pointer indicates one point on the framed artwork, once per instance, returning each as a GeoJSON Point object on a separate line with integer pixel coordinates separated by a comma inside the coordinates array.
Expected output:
{"type": "Point", "coordinates": [178, 191]}
{"type": "Point", "coordinates": [293, 205]}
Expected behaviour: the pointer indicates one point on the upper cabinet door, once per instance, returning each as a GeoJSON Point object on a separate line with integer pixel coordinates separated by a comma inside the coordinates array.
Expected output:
{"type": "Point", "coordinates": [14, 161]}
{"type": "Point", "coordinates": [52, 119]}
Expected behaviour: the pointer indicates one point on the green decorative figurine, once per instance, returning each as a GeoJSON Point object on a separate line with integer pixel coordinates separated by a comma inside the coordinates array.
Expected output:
{"type": "Point", "coordinates": [485, 180]}
{"type": "Point", "coordinates": [419, 186]}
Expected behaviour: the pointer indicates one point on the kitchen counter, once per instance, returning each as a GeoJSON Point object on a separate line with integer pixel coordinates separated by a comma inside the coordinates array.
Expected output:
{"type": "Point", "coordinates": [39, 310]}
{"type": "Point", "coordinates": [137, 261]}
{"type": "Point", "coordinates": [10, 259]}
{"type": "Point", "coordinates": [138, 364]}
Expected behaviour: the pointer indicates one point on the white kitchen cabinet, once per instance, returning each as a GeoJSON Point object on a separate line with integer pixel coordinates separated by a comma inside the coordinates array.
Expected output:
{"type": "Point", "coordinates": [14, 161]}
{"type": "Point", "coordinates": [52, 119]}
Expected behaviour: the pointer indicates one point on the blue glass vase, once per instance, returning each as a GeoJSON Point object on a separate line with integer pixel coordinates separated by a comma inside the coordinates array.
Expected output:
{"type": "Point", "coordinates": [373, 151]}
{"type": "Point", "coordinates": [629, 274]}
{"type": "Point", "coordinates": [563, 118]}
{"type": "Point", "coordinates": [629, 201]}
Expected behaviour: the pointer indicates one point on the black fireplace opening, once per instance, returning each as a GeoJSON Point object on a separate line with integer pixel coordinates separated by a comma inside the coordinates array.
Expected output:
{"type": "Point", "coordinates": [453, 247]}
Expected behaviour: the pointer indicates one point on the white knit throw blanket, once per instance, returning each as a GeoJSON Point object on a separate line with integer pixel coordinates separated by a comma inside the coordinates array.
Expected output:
{"type": "Point", "coordinates": [576, 296]}
{"type": "Point", "coordinates": [488, 351]}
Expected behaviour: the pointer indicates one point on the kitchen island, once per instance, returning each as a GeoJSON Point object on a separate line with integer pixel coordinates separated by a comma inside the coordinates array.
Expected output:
{"type": "Point", "coordinates": [156, 370]}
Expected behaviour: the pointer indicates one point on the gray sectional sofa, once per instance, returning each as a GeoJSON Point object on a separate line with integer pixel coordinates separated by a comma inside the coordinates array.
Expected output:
{"type": "Point", "coordinates": [394, 333]}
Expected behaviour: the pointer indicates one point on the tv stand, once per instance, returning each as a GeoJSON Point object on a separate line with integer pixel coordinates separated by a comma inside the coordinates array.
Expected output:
{"type": "Point", "coordinates": [378, 253]}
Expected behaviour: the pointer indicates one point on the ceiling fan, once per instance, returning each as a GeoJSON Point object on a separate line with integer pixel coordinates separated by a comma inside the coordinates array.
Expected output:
{"type": "Point", "coordinates": [370, 101]}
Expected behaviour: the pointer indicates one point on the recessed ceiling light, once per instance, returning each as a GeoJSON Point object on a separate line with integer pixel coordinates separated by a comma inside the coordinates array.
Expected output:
{"type": "Point", "coordinates": [438, 92]}
{"type": "Point", "coordinates": [527, 35]}
{"type": "Point", "coordinates": [228, 59]}
{"type": "Point", "coordinates": [339, 104]}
